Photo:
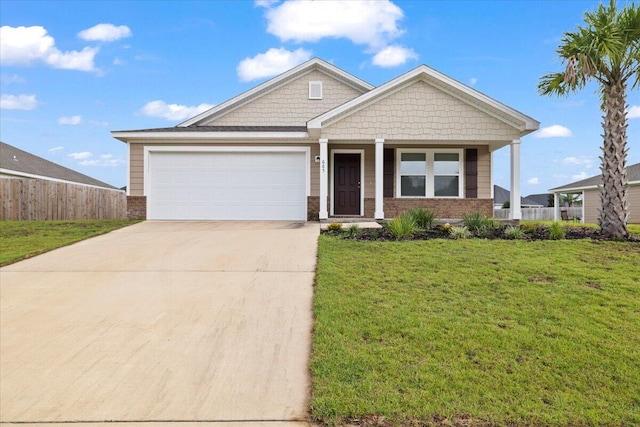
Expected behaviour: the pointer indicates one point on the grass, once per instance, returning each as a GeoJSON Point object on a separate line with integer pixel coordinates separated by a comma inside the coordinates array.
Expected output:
{"type": "Point", "coordinates": [633, 228]}
{"type": "Point", "coordinates": [24, 239]}
{"type": "Point", "coordinates": [543, 333]}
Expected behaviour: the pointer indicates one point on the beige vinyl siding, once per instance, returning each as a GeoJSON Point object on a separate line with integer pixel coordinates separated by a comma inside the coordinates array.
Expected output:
{"type": "Point", "coordinates": [633, 196]}
{"type": "Point", "coordinates": [289, 105]}
{"type": "Point", "coordinates": [418, 112]}
{"type": "Point", "coordinates": [136, 160]}
{"type": "Point", "coordinates": [136, 170]}
{"type": "Point", "coordinates": [592, 204]}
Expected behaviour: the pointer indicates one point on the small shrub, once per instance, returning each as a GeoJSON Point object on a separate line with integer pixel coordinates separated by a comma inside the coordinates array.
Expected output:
{"type": "Point", "coordinates": [334, 226]}
{"type": "Point", "coordinates": [556, 231]}
{"type": "Point", "coordinates": [353, 231]}
{"type": "Point", "coordinates": [459, 232]}
{"type": "Point", "coordinates": [422, 217]}
{"type": "Point", "coordinates": [402, 227]}
{"type": "Point", "coordinates": [476, 221]}
{"type": "Point", "coordinates": [374, 234]}
{"type": "Point", "coordinates": [514, 232]}
{"type": "Point", "coordinates": [528, 228]}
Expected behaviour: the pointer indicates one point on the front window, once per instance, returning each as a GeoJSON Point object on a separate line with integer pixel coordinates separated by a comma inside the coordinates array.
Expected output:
{"type": "Point", "coordinates": [413, 174]}
{"type": "Point", "coordinates": [446, 174]}
{"type": "Point", "coordinates": [429, 173]}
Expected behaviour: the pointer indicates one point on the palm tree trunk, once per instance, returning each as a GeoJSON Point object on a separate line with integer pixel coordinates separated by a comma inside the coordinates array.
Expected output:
{"type": "Point", "coordinates": [613, 193]}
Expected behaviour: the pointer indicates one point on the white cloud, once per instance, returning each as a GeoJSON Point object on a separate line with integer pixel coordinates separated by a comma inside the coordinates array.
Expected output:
{"type": "Point", "coordinates": [7, 80]}
{"type": "Point", "coordinates": [105, 160]}
{"type": "Point", "coordinates": [473, 81]}
{"type": "Point", "coordinates": [24, 46]}
{"type": "Point", "coordinates": [18, 102]}
{"type": "Point", "coordinates": [271, 63]}
{"type": "Point", "coordinates": [119, 61]}
{"type": "Point", "coordinates": [71, 120]}
{"type": "Point", "coordinates": [553, 131]}
{"type": "Point", "coordinates": [580, 176]}
{"type": "Point", "coordinates": [535, 180]}
{"type": "Point", "coordinates": [585, 161]}
{"type": "Point", "coordinates": [394, 55]}
{"type": "Point", "coordinates": [80, 156]}
{"type": "Point", "coordinates": [161, 109]}
{"type": "Point", "coordinates": [98, 123]}
{"type": "Point", "coordinates": [369, 22]}
{"type": "Point", "coordinates": [54, 149]}
{"type": "Point", "coordinates": [105, 33]}
{"type": "Point", "coordinates": [633, 112]}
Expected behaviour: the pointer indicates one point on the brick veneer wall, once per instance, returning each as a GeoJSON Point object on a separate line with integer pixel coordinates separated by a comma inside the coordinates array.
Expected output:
{"type": "Point", "coordinates": [443, 208]}
{"type": "Point", "coordinates": [313, 208]}
{"type": "Point", "coordinates": [137, 207]}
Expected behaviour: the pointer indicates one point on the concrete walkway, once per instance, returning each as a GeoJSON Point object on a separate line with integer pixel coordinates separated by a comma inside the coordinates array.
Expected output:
{"type": "Point", "coordinates": [162, 321]}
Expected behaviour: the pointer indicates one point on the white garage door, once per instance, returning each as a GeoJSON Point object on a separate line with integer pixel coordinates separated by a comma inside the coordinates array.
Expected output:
{"type": "Point", "coordinates": [227, 186]}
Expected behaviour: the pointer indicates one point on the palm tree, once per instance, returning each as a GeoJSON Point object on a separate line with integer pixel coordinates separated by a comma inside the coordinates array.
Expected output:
{"type": "Point", "coordinates": [607, 50]}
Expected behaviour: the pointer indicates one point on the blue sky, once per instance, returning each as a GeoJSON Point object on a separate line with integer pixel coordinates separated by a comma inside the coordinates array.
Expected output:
{"type": "Point", "coordinates": [78, 70]}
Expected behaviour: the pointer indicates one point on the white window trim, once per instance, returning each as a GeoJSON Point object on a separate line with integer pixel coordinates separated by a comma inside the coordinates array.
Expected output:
{"type": "Point", "coordinates": [312, 83]}
{"type": "Point", "coordinates": [148, 149]}
{"type": "Point", "coordinates": [331, 175]}
{"type": "Point", "coordinates": [430, 155]}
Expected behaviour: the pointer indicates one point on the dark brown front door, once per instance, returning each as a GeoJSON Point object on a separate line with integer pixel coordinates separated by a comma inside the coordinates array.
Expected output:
{"type": "Point", "coordinates": [346, 184]}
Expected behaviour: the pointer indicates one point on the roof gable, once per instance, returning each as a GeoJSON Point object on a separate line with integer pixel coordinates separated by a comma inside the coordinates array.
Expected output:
{"type": "Point", "coordinates": [314, 65]}
{"type": "Point", "coordinates": [520, 122]}
{"type": "Point", "coordinates": [13, 160]}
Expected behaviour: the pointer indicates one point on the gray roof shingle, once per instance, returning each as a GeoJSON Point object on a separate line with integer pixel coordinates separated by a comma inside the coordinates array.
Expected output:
{"type": "Point", "coordinates": [14, 159]}
{"type": "Point", "coordinates": [633, 174]}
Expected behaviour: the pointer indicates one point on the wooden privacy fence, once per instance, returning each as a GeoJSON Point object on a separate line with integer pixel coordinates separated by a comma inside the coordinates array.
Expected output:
{"type": "Point", "coordinates": [38, 199]}
{"type": "Point", "coordinates": [538, 214]}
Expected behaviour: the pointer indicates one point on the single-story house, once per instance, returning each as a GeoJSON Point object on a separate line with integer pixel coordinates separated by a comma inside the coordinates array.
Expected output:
{"type": "Point", "coordinates": [501, 195]}
{"type": "Point", "coordinates": [541, 200]}
{"type": "Point", "coordinates": [590, 190]}
{"type": "Point", "coordinates": [16, 163]}
{"type": "Point", "coordinates": [317, 142]}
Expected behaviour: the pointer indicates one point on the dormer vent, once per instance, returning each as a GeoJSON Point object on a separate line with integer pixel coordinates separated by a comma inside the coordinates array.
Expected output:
{"type": "Point", "coordinates": [315, 90]}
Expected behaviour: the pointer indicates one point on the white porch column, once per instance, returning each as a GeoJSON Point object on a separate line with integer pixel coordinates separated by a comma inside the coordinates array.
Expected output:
{"type": "Point", "coordinates": [379, 210]}
{"type": "Point", "coordinates": [514, 203]}
{"type": "Point", "coordinates": [556, 206]}
{"type": "Point", "coordinates": [583, 211]}
{"type": "Point", "coordinates": [324, 178]}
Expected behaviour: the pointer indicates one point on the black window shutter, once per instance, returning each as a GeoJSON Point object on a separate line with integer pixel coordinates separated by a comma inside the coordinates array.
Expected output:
{"type": "Point", "coordinates": [471, 173]}
{"type": "Point", "coordinates": [388, 174]}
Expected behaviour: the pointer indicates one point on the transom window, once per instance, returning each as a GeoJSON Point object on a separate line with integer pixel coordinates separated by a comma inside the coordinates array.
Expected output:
{"type": "Point", "coordinates": [429, 173]}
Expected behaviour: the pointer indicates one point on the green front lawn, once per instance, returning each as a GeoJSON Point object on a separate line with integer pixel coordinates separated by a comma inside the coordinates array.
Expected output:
{"type": "Point", "coordinates": [633, 228]}
{"type": "Point", "coordinates": [24, 239]}
{"type": "Point", "coordinates": [514, 333]}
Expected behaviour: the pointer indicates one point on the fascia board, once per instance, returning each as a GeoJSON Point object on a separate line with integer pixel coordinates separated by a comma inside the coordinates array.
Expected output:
{"type": "Point", "coordinates": [132, 136]}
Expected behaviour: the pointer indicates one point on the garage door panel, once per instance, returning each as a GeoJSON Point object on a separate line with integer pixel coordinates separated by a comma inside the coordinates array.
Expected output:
{"type": "Point", "coordinates": [227, 185]}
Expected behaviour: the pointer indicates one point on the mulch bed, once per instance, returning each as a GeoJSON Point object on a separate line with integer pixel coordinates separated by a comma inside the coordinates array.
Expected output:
{"type": "Point", "coordinates": [438, 232]}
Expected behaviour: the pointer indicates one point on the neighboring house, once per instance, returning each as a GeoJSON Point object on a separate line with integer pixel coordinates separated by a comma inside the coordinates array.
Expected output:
{"type": "Point", "coordinates": [16, 163]}
{"type": "Point", "coordinates": [317, 142]}
{"type": "Point", "coordinates": [590, 190]}
{"type": "Point", "coordinates": [540, 199]}
{"type": "Point", "coordinates": [501, 195]}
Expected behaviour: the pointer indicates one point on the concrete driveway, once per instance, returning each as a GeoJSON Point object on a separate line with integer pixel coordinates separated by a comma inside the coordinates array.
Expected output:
{"type": "Point", "coordinates": [162, 321]}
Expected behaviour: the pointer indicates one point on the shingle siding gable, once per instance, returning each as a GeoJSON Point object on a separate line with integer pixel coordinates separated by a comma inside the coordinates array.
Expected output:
{"type": "Point", "coordinates": [418, 112]}
{"type": "Point", "coordinates": [289, 105]}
